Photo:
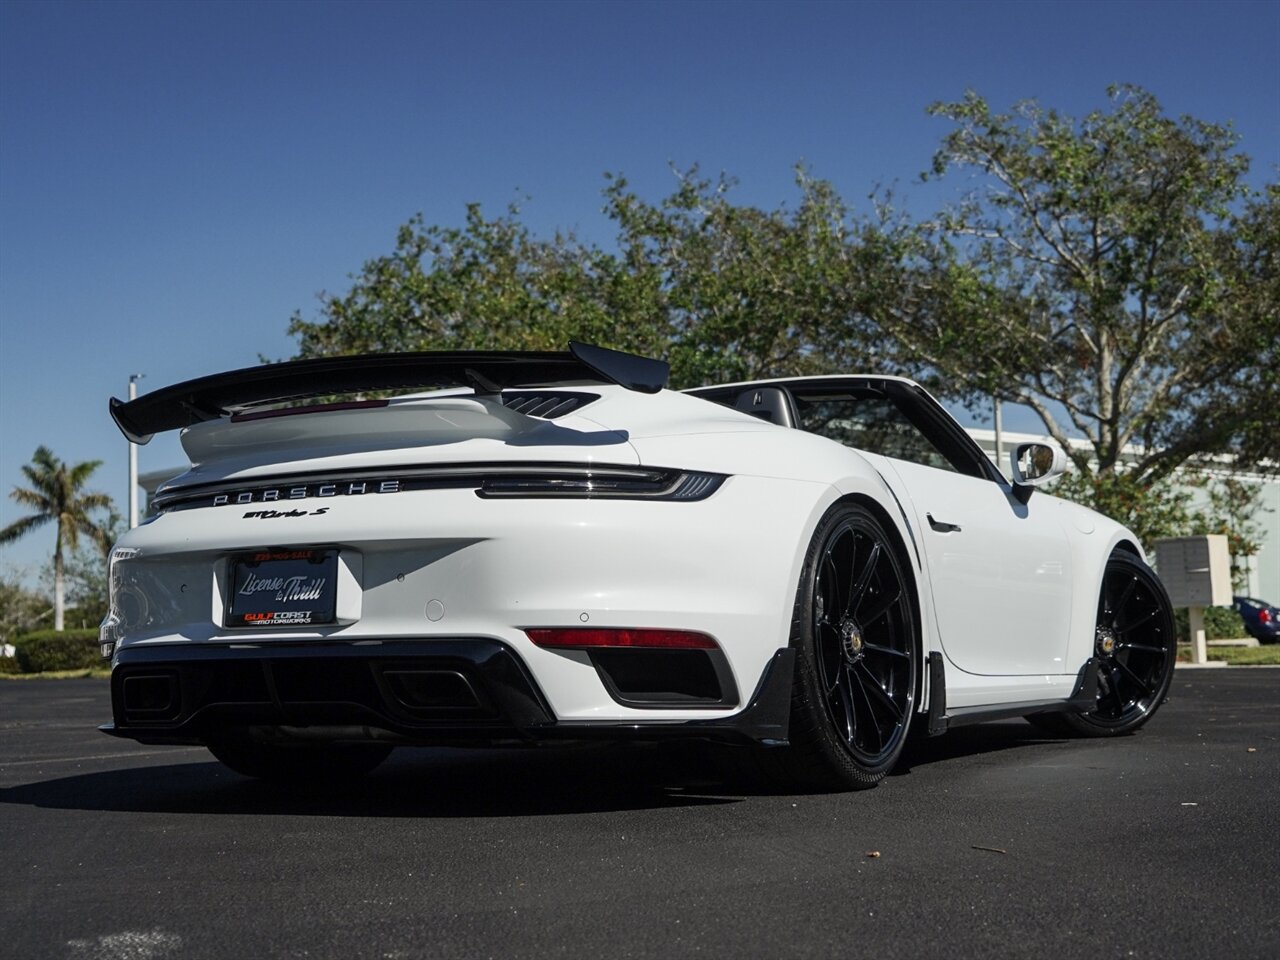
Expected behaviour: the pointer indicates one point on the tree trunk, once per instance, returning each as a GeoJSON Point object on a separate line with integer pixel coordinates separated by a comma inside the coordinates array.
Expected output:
{"type": "Point", "coordinates": [58, 602]}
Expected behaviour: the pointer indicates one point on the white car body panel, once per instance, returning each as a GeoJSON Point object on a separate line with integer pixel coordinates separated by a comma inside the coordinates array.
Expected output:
{"type": "Point", "coordinates": [1002, 581]}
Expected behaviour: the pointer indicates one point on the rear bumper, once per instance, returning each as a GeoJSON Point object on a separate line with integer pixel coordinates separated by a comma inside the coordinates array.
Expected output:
{"type": "Point", "coordinates": [460, 691]}
{"type": "Point", "coordinates": [435, 565]}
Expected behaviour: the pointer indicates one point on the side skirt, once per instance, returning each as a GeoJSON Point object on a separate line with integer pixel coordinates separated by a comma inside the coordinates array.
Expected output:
{"type": "Point", "coordinates": [1082, 699]}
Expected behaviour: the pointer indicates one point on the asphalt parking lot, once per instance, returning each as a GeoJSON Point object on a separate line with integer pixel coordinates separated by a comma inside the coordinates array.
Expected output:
{"type": "Point", "coordinates": [992, 842]}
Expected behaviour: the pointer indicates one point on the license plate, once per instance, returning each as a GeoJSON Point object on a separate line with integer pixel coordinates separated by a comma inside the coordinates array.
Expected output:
{"type": "Point", "coordinates": [283, 588]}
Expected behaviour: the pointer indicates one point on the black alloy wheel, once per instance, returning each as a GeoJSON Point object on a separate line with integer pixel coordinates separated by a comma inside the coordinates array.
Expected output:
{"type": "Point", "coordinates": [1136, 647]}
{"type": "Point", "coordinates": [856, 664]}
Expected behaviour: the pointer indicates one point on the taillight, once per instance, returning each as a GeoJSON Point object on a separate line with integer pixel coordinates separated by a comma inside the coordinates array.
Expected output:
{"type": "Point", "coordinates": [596, 637]}
{"type": "Point", "coordinates": [620, 483]}
{"type": "Point", "coordinates": [1264, 616]}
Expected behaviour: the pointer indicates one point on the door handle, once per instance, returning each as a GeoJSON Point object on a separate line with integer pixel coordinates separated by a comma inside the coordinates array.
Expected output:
{"type": "Point", "coordinates": [942, 526]}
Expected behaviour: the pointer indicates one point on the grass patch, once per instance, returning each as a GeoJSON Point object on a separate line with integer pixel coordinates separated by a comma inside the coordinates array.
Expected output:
{"type": "Point", "coordinates": [1268, 655]}
{"type": "Point", "coordinates": [96, 672]}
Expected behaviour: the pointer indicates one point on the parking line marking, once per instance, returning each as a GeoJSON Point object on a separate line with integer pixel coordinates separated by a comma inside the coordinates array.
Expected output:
{"type": "Point", "coordinates": [98, 756]}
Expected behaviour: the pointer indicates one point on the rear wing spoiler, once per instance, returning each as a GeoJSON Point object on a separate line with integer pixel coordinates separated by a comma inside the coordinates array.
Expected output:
{"type": "Point", "coordinates": [208, 398]}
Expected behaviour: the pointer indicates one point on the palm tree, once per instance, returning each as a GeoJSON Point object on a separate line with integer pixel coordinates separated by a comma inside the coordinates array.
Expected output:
{"type": "Point", "coordinates": [55, 494]}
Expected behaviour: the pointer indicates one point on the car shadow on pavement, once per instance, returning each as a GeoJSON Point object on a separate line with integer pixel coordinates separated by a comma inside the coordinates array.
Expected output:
{"type": "Point", "coordinates": [439, 782]}
{"type": "Point", "coordinates": [415, 782]}
{"type": "Point", "coordinates": [972, 741]}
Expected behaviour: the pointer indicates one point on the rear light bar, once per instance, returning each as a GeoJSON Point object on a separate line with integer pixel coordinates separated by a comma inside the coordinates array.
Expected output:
{"type": "Point", "coordinates": [579, 638]}
{"type": "Point", "coordinates": [636, 483]}
{"type": "Point", "coordinates": [488, 480]}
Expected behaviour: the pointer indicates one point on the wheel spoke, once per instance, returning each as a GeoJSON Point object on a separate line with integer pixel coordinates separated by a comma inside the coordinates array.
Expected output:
{"type": "Point", "coordinates": [830, 681]}
{"type": "Point", "coordinates": [846, 703]}
{"type": "Point", "coordinates": [829, 563]}
{"type": "Point", "coordinates": [870, 712]}
{"type": "Point", "coordinates": [889, 651]}
{"type": "Point", "coordinates": [1124, 597]}
{"type": "Point", "coordinates": [859, 587]}
{"type": "Point", "coordinates": [1137, 680]}
{"type": "Point", "coordinates": [849, 580]}
{"type": "Point", "coordinates": [1144, 647]}
{"type": "Point", "coordinates": [829, 659]}
{"type": "Point", "coordinates": [1111, 676]}
{"type": "Point", "coordinates": [882, 606]}
{"type": "Point", "coordinates": [877, 691]}
{"type": "Point", "coordinates": [1130, 624]}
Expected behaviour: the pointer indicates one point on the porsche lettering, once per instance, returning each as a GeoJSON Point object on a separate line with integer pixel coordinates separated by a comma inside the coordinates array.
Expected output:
{"type": "Point", "coordinates": [305, 491]}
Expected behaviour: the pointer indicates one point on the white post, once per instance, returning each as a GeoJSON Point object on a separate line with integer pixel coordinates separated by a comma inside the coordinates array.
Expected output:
{"type": "Point", "coordinates": [133, 459]}
{"type": "Point", "coordinates": [1195, 624]}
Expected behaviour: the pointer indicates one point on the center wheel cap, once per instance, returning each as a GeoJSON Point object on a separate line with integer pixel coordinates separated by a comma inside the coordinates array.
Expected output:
{"type": "Point", "coordinates": [1106, 641]}
{"type": "Point", "coordinates": [850, 640]}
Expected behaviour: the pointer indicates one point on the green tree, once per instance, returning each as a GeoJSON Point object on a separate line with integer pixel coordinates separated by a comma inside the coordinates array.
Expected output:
{"type": "Point", "coordinates": [487, 285]}
{"type": "Point", "coordinates": [747, 293]}
{"type": "Point", "coordinates": [1252, 252]}
{"type": "Point", "coordinates": [56, 495]}
{"type": "Point", "coordinates": [724, 291]}
{"type": "Point", "coordinates": [1233, 508]}
{"type": "Point", "coordinates": [1115, 274]}
{"type": "Point", "coordinates": [21, 610]}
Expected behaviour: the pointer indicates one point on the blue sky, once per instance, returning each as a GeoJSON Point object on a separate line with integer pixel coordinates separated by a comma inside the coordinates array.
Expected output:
{"type": "Point", "coordinates": [177, 179]}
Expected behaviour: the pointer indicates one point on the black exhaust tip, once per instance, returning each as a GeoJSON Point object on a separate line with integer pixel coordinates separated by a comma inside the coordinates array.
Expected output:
{"type": "Point", "coordinates": [151, 696]}
{"type": "Point", "coordinates": [429, 691]}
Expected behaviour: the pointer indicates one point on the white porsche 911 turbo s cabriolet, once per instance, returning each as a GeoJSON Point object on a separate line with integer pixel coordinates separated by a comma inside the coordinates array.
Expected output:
{"type": "Point", "coordinates": [554, 546]}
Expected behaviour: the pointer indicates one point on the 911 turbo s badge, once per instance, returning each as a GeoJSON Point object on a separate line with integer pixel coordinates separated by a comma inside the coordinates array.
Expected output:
{"type": "Point", "coordinates": [274, 514]}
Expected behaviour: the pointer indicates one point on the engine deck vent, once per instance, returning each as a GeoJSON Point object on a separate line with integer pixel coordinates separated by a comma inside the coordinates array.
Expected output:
{"type": "Point", "coordinates": [546, 404]}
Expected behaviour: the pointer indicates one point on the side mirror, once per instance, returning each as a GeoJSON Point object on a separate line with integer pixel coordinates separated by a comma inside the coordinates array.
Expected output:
{"type": "Point", "coordinates": [1033, 465]}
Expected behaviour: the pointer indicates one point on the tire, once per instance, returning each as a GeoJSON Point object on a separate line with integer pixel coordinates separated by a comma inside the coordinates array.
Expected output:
{"type": "Point", "coordinates": [333, 763]}
{"type": "Point", "coordinates": [855, 635]}
{"type": "Point", "coordinates": [1135, 643]}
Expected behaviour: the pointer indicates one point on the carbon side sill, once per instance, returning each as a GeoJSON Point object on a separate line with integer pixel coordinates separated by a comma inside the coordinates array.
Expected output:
{"type": "Point", "coordinates": [1082, 699]}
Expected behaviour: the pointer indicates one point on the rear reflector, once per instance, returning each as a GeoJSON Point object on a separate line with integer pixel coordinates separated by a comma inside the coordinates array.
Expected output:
{"type": "Point", "coordinates": [579, 637]}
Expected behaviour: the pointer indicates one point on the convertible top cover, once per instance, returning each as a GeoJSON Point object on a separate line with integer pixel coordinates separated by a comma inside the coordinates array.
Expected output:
{"type": "Point", "coordinates": [208, 398]}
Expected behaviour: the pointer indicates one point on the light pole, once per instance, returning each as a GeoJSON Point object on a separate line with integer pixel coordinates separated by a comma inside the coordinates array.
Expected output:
{"type": "Point", "coordinates": [133, 458]}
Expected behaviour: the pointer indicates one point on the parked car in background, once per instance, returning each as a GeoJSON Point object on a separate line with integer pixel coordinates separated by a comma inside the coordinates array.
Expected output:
{"type": "Point", "coordinates": [1261, 619]}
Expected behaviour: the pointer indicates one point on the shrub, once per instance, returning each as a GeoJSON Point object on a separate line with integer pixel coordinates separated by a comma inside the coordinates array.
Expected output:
{"type": "Point", "coordinates": [9, 665]}
{"type": "Point", "coordinates": [1220, 623]}
{"type": "Point", "coordinates": [53, 650]}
